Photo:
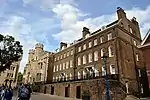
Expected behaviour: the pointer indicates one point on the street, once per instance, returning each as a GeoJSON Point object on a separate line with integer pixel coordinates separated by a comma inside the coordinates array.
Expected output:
{"type": "Point", "coordinates": [38, 96]}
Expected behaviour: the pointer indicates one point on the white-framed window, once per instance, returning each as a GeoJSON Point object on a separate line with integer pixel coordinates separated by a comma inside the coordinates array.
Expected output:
{"type": "Point", "coordinates": [66, 77]}
{"type": "Point", "coordinates": [142, 90]}
{"type": "Point", "coordinates": [53, 78]}
{"type": "Point", "coordinates": [55, 59]}
{"type": "Point", "coordinates": [84, 74]}
{"type": "Point", "coordinates": [64, 55]}
{"type": "Point", "coordinates": [63, 66]}
{"type": "Point", "coordinates": [112, 69]}
{"type": "Point", "coordinates": [54, 69]}
{"type": "Point", "coordinates": [90, 57]}
{"type": "Point", "coordinates": [103, 71]}
{"type": "Point", "coordinates": [60, 56]}
{"type": "Point", "coordinates": [102, 52]}
{"type": "Point", "coordinates": [130, 29]}
{"type": "Point", "coordinates": [139, 71]}
{"type": "Point", "coordinates": [137, 57]}
{"type": "Point", "coordinates": [84, 59]}
{"type": "Point", "coordinates": [79, 61]}
{"type": "Point", "coordinates": [96, 72]}
{"type": "Point", "coordinates": [67, 54]}
{"type": "Point", "coordinates": [95, 42]}
{"type": "Point", "coordinates": [56, 78]}
{"type": "Point", "coordinates": [60, 67]}
{"type": "Point", "coordinates": [59, 77]}
{"type": "Point", "coordinates": [101, 39]}
{"type": "Point", "coordinates": [110, 51]}
{"type": "Point", "coordinates": [67, 65]}
{"type": "Point", "coordinates": [109, 36]}
{"type": "Point", "coordinates": [79, 49]}
{"type": "Point", "coordinates": [95, 55]}
{"type": "Point", "coordinates": [135, 43]}
{"type": "Point", "coordinates": [57, 67]}
{"type": "Point", "coordinates": [90, 44]}
{"type": "Point", "coordinates": [79, 75]}
{"type": "Point", "coordinates": [84, 46]}
{"type": "Point", "coordinates": [70, 76]}
{"type": "Point", "coordinates": [71, 52]}
{"type": "Point", "coordinates": [71, 63]}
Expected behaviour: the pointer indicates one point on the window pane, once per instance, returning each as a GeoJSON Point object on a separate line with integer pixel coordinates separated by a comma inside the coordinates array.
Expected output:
{"type": "Point", "coordinates": [90, 44]}
{"type": "Point", "coordinates": [84, 59]}
{"type": "Point", "coordinates": [79, 61]}
{"type": "Point", "coordinates": [112, 69]}
{"type": "Point", "coordinates": [95, 42]}
{"type": "Point", "coordinates": [95, 55]}
{"type": "Point", "coordinates": [109, 36]}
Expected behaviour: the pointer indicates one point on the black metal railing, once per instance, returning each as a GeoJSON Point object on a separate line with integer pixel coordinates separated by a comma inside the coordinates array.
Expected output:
{"type": "Point", "coordinates": [85, 77]}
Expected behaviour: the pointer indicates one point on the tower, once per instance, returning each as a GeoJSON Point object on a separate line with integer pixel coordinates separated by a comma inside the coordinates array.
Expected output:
{"type": "Point", "coordinates": [38, 48]}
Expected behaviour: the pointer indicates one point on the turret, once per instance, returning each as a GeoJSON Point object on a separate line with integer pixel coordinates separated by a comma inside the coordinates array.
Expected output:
{"type": "Point", "coordinates": [31, 55]}
{"type": "Point", "coordinates": [38, 48]}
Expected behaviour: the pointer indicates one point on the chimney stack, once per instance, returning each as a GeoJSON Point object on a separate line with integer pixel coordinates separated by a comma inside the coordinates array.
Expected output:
{"type": "Point", "coordinates": [63, 45]}
{"type": "Point", "coordinates": [121, 14]}
{"type": "Point", "coordinates": [85, 32]}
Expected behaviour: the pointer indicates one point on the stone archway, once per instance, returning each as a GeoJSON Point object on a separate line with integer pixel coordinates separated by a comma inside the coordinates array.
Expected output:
{"type": "Point", "coordinates": [6, 82]}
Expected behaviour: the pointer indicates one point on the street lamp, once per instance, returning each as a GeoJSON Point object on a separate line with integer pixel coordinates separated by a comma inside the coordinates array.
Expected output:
{"type": "Point", "coordinates": [106, 77]}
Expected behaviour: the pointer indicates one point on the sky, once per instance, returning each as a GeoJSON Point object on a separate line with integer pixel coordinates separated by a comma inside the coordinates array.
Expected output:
{"type": "Point", "coordinates": [51, 21]}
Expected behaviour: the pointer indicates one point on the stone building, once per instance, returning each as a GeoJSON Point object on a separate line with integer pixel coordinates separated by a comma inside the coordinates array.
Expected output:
{"type": "Point", "coordinates": [78, 68]}
{"type": "Point", "coordinates": [9, 76]}
{"type": "Point", "coordinates": [145, 46]}
{"type": "Point", "coordinates": [37, 67]}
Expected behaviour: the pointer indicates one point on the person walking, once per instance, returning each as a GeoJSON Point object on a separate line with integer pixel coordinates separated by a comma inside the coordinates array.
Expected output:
{"type": "Point", "coordinates": [8, 94]}
{"type": "Point", "coordinates": [23, 93]}
{"type": "Point", "coordinates": [30, 91]}
{"type": "Point", "coordinates": [2, 92]}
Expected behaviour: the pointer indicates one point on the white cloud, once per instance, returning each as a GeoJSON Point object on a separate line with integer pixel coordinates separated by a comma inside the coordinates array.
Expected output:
{"type": "Point", "coordinates": [16, 27]}
{"type": "Point", "coordinates": [72, 26]}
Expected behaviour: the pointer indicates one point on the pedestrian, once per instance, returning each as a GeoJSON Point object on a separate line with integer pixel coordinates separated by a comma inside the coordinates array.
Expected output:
{"type": "Point", "coordinates": [8, 94]}
{"type": "Point", "coordinates": [30, 91]}
{"type": "Point", "coordinates": [2, 92]}
{"type": "Point", "coordinates": [23, 93]}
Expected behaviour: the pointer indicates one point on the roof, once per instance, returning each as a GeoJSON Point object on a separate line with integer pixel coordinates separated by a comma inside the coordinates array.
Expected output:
{"type": "Point", "coordinates": [146, 37]}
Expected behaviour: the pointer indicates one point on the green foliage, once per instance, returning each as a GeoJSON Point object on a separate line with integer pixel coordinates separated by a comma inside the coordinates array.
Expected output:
{"type": "Point", "coordinates": [20, 77]}
{"type": "Point", "coordinates": [10, 51]}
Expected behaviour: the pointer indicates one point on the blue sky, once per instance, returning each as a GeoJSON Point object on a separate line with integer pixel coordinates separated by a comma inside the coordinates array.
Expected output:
{"type": "Point", "coordinates": [52, 21]}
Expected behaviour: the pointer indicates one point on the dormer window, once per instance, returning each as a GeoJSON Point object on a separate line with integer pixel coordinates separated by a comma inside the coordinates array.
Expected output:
{"type": "Point", "coordinates": [87, 35]}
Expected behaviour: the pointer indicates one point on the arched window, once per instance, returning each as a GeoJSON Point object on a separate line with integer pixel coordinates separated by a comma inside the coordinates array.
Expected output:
{"type": "Point", "coordinates": [66, 77]}
{"type": "Point", "coordinates": [102, 52]}
{"type": "Point", "coordinates": [84, 74]}
{"type": "Point", "coordinates": [67, 65]}
{"type": "Point", "coordinates": [111, 51]}
{"type": "Point", "coordinates": [79, 61]}
{"type": "Point", "coordinates": [79, 75]}
{"type": "Point", "coordinates": [95, 55]}
{"type": "Point", "coordinates": [84, 59]}
{"type": "Point", "coordinates": [70, 76]}
{"type": "Point", "coordinates": [96, 72]}
{"type": "Point", "coordinates": [63, 66]}
{"type": "Point", "coordinates": [90, 57]}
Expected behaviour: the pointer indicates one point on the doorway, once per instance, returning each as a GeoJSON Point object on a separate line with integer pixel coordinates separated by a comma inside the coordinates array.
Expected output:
{"type": "Point", "coordinates": [45, 90]}
{"type": "Point", "coordinates": [66, 91]}
{"type": "Point", "coordinates": [52, 90]}
{"type": "Point", "coordinates": [78, 92]}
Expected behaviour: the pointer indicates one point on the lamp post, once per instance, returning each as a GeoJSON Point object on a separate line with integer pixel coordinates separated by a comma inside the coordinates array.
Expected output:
{"type": "Point", "coordinates": [106, 77]}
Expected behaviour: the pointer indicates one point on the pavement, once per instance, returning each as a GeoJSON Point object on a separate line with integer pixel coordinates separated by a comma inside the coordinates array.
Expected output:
{"type": "Point", "coordinates": [40, 96]}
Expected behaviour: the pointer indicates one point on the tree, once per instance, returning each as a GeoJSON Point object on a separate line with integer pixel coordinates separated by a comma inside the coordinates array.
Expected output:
{"type": "Point", "coordinates": [20, 77]}
{"type": "Point", "coordinates": [10, 51]}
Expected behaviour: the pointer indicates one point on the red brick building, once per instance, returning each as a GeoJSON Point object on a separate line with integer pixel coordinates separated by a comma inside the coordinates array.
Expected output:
{"type": "Point", "coordinates": [146, 52]}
